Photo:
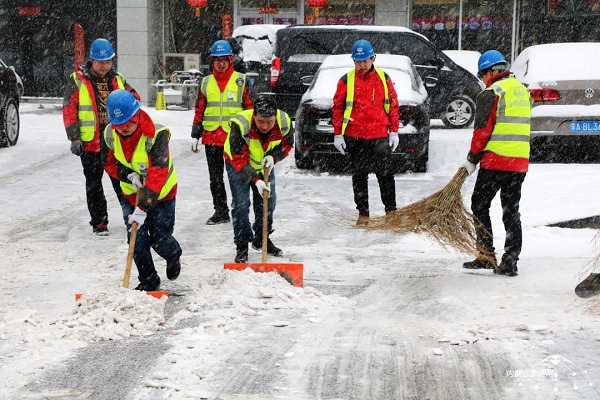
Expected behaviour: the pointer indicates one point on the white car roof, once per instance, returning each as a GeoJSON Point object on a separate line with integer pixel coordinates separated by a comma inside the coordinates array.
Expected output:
{"type": "Point", "coordinates": [381, 60]}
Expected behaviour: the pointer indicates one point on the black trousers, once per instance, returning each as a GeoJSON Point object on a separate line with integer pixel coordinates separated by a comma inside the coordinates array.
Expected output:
{"type": "Point", "coordinates": [216, 167]}
{"type": "Point", "coordinates": [93, 170]}
{"type": "Point", "coordinates": [371, 156]}
{"type": "Point", "coordinates": [488, 183]}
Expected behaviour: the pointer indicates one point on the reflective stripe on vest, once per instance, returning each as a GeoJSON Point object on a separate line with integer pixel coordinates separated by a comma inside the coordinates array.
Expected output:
{"type": "Point", "coordinates": [244, 121]}
{"type": "Point", "coordinates": [222, 106]}
{"type": "Point", "coordinates": [350, 95]}
{"type": "Point", "coordinates": [139, 160]}
{"type": "Point", "coordinates": [86, 113]}
{"type": "Point", "coordinates": [511, 133]}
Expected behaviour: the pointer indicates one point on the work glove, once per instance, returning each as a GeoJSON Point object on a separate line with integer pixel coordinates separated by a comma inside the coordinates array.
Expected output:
{"type": "Point", "coordinates": [77, 147]}
{"type": "Point", "coordinates": [394, 140]}
{"type": "Point", "coordinates": [136, 180]}
{"type": "Point", "coordinates": [268, 162]}
{"type": "Point", "coordinates": [138, 216]}
{"type": "Point", "coordinates": [262, 186]}
{"type": "Point", "coordinates": [195, 144]}
{"type": "Point", "coordinates": [339, 143]}
{"type": "Point", "coordinates": [469, 166]}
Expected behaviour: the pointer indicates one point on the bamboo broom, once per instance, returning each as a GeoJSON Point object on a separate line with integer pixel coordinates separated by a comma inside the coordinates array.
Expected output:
{"type": "Point", "coordinates": [441, 216]}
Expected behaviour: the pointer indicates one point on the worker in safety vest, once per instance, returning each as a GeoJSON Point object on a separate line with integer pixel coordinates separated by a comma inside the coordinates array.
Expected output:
{"type": "Point", "coordinates": [84, 116]}
{"type": "Point", "coordinates": [500, 145]}
{"type": "Point", "coordinates": [258, 139]}
{"type": "Point", "coordinates": [140, 150]}
{"type": "Point", "coordinates": [365, 122]}
{"type": "Point", "coordinates": [222, 95]}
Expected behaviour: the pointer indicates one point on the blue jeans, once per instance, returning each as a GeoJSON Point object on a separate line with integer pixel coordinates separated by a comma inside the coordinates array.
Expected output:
{"type": "Point", "coordinates": [155, 233]}
{"type": "Point", "coordinates": [240, 207]}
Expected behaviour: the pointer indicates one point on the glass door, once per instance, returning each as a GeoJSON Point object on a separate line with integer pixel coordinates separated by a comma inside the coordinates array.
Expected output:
{"type": "Point", "coordinates": [280, 12]}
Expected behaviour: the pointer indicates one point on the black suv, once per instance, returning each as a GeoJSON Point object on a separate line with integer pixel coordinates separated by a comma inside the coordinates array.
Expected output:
{"type": "Point", "coordinates": [10, 97]}
{"type": "Point", "coordinates": [300, 49]}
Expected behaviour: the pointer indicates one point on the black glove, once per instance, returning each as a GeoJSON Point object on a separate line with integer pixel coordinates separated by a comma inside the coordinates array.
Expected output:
{"type": "Point", "coordinates": [197, 131]}
{"type": "Point", "coordinates": [77, 147]}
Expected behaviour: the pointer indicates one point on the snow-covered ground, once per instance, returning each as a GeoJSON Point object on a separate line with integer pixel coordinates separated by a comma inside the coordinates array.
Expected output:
{"type": "Point", "coordinates": [380, 316]}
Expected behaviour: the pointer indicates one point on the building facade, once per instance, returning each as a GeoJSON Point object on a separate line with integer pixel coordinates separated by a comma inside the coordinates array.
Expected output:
{"type": "Point", "coordinates": [154, 37]}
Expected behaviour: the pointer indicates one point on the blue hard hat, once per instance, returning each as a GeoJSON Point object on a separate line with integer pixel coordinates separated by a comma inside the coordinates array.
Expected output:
{"type": "Point", "coordinates": [101, 50]}
{"type": "Point", "coordinates": [121, 106]}
{"type": "Point", "coordinates": [221, 48]}
{"type": "Point", "coordinates": [490, 59]}
{"type": "Point", "coordinates": [362, 50]}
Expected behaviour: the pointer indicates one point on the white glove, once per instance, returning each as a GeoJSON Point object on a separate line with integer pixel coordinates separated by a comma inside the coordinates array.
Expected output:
{"type": "Point", "coordinates": [138, 216]}
{"type": "Point", "coordinates": [469, 166]}
{"type": "Point", "coordinates": [339, 143]}
{"type": "Point", "coordinates": [195, 144]}
{"type": "Point", "coordinates": [136, 180]}
{"type": "Point", "coordinates": [394, 140]}
{"type": "Point", "coordinates": [261, 186]}
{"type": "Point", "coordinates": [268, 162]}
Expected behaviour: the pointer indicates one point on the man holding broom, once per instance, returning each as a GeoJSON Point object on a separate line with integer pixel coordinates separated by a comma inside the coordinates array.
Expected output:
{"type": "Point", "coordinates": [258, 139]}
{"type": "Point", "coordinates": [365, 124]}
{"type": "Point", "coordinates": [140, 149]}
{"type": "Point", "coordinates": [500, 145]}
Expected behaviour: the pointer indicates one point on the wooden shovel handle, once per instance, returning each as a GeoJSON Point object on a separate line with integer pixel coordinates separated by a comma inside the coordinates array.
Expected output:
{"type": "Point", "coordinates": [265, 216]}
{"type": "Point", "coordinates": [132, 238]}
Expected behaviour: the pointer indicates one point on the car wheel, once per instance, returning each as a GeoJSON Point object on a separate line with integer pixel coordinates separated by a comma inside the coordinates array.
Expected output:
{"type": "Point", "coordinates": [303, 160]}
{"type": "Point", "coordinates": [459, 113]}
{"type": "Point", "coordinates": [9, 124]}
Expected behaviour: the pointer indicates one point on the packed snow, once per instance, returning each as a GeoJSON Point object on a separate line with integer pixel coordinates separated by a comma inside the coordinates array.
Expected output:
{"type": "Point", "coordinates": [380, 316]}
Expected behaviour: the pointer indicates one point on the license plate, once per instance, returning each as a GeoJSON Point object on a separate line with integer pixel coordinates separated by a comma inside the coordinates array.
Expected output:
{"type": "Point", "coordinates": [584, 126]}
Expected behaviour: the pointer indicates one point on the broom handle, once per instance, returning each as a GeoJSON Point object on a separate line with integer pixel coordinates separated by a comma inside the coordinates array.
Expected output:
{"type": "Point", "coordinates": [265, 219]}
{"type": "Point", "coordinates": [132, 238]}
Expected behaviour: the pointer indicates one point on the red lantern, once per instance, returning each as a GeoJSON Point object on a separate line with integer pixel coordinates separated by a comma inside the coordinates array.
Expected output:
{"type": "Point", "coordinates": [317, 5]}
{"type": "Point", "coordinates": [198, 4]}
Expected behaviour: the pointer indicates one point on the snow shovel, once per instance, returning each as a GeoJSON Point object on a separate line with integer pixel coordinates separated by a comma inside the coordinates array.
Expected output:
{"type": "Point", "coordinates": [291, 272]}
{"type": "Point", "coordinates": [132, 238]}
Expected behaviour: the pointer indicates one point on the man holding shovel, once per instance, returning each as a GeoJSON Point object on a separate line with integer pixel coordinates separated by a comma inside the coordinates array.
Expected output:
{"type": "Point", "coordinates": [500, 145]}
{"type": "Point", "coordinates": [140, 149]}
{"type": "Point", "coordinates": [258, 139]}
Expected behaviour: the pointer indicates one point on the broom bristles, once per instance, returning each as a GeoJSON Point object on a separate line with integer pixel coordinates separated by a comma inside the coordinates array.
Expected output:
{"type": "Point", "coordinates": [441, 216]}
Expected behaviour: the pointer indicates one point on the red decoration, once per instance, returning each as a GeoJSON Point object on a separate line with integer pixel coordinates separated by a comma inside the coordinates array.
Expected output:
{"type": "Point", "coordinates": [268, 9]}
{"type": "Point", "coordinates": [226, 26]}
{"type": "Point", "coordinates": [29, 11]}
{"type": "Point", "coordinates": [198, 4]}
{"type": "Point", "coordinates": [317, 5]}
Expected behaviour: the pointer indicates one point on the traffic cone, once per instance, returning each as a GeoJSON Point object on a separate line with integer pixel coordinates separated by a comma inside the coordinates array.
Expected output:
{"type": "Point", "coordinates": [161, 104]}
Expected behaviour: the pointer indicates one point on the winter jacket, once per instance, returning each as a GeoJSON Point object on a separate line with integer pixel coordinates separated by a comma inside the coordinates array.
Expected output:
{"type": "Point", "coordinates": [160, 170]}
{"type": "Point", "coordinates": [217, 136]}
{"type": "Point", "coordinates": [246, 146]}
{"type": "Point", "coordinates": [485, 124]}
{"type": "Point", "coordinates": [368, 119]}
{"type": "Point", "coordinates": [73, 110]}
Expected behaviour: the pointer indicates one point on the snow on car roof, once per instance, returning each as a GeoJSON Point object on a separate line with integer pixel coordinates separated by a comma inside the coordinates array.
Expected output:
{"type": "Point", "coordinates": [366, 28]}
{"type": "Point", "coordinates": [558, 61]}
{"type": "Point", "coordinates": [381, 60]}
{"type": "Point", "coordinates": [257, 31]}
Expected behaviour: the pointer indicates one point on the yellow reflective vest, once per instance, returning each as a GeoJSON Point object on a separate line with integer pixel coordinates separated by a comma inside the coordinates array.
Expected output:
{"type": "Point", "coordinates": [86, 113]}
{"type": "Point", "coordinates": [221, 106]}
{"type": "Point", "coordinates": [255, 147]}
{"type": "Point", "coordinates": [511, 133]}
{"type": "Point", "coordinates": [139, 161]}
{"type": "Point", "coordinates": [351, 77]}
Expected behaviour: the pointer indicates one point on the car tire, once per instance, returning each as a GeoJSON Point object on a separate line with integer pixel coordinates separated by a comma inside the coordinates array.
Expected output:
{"type": "Point", "coordinates": [459, 113]}
{"type": "Point", "coordinates": [303, 161]}
{"type": "Point", "coordinates": [9, 124]}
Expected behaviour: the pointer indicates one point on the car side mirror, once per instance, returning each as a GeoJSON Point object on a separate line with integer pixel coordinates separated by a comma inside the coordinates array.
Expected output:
{"type": "Point", "coordinates": [430, 81]}
{"type": "Point", "coordinates": [307, 80]}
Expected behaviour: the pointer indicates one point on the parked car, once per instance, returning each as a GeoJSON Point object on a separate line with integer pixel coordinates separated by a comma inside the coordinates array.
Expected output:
{"type": "Point", "coordinates": [314, 130]}
{"type": "Point", "coordinates": [299, 51]}
{"type": "Point", "coordinates": [11, 89]}
{"type": "Point", "coordinates": [564, 82]}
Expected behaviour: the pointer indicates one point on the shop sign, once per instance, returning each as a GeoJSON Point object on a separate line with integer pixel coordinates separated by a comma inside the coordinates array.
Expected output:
{"type": "Point", "coordinates": [29, 11]}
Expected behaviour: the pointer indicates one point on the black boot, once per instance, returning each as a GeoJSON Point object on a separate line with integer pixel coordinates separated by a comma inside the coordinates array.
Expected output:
{"type": "Point", "coordinates": [219, 217]}
{"type": "Point", "coordinates": [173, 268]}
{"type": "Point", "coordinates": [589, 287]}
{"type": "Point", "coordinates": [508, 265]}
{"type": "Point", "coordinates": [147, 287]}
{"type": "Point", "coordinates": [242, 253]}
{"type": "Point", "coordinates": [271, 248]}
{"type": "Point", "coordinates": [481, 264]}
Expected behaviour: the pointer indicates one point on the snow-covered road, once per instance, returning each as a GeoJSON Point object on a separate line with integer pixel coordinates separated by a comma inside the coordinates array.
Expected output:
{"type": "Point", "coordinates": [380, 316]}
